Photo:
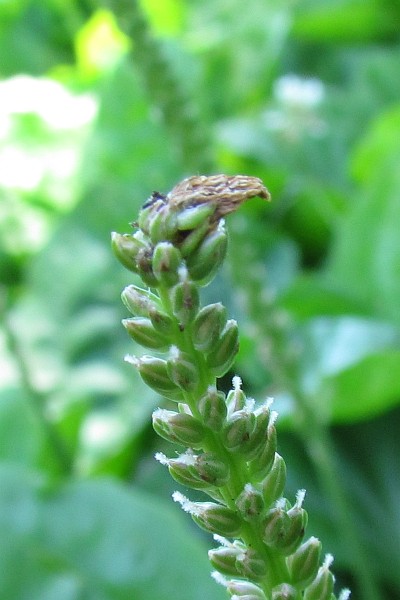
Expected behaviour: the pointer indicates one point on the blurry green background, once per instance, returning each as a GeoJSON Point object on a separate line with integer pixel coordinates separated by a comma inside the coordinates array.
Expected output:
{"type": "Point", "coordinates": [100, 104]}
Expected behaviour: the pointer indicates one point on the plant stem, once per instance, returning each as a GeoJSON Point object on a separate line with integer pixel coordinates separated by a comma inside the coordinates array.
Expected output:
{"type": "Point", "coordinates": [179, 112]}
{"type": "Point", "coordinates": [37, 400]}
{"type": "Point", "coordinates": [313, 433]}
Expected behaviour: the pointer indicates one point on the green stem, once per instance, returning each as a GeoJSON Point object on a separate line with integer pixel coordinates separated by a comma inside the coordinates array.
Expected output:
{"type": "Point", "coordinates": [315, 437]}
{"type": "Point", "coordinates": [179, 112]}
{"type": "Point", "coordinates": [250, 534]}
{"type": "Point", "coordinates": [37, 400]}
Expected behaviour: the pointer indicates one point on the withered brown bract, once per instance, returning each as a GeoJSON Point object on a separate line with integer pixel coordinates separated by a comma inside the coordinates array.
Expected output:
{"type": "Point", "coordinates": [228, 192]}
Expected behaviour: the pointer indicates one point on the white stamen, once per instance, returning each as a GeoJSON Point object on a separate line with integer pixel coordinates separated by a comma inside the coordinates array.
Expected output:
{"type": "Point", "coordinates": [162, 459]}
{"type": "Point", "coordinates": [301, 494]}
{"type": "Point", "coordinates": [237, 383]}
{"type": "Point", "coordinates": [131, 359]}
{"type": "Point", "coordinates": [328, 560]}
{"type": "Point", "coordinates": [219, 578]}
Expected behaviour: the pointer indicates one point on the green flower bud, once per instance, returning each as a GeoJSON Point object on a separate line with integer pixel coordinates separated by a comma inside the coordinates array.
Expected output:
{"type": "Point", "coordinates": [245, 590]}
{"type": "Point", "coordinates": [224, 559]}
{"type": "Point", "coordinates": [150, 209]}
{"type": "Point", "coordinates": [260, 466]}
{"type": "Point", "coordinates": [274, 483]}
{"type": "Point", "coordinates": [179, 428]}
{"type": "Point", "coordinates": [185, 301]}
{"type": "Point", "coordinates": [145, 267]}
{"type": "Point", "coordinates": [181, 469]}
{"type": "Point", "coordinates": [207, 326]}
{"type": "Point", "coordinates": [166, 262]}
{"type": "Point", "coordinates": [216, 518]}
{"type": "Point", "coordinates": [209, 256]}
{"type": "Point", "coordinates": [284, 591]}
{"type": "Point", "coordinates": [162, 225]}
{"type": "Point", "coordinates": [222, 356]}
{"type": "Point", "coordinates": [236, 399]}
{"type": "Point", "coordinates": [212, 408]}
{"type": "Point", "coordinates": [258, 438]}
{"type": "Point", "coordinates": [193, 239]}
{"type": "Point", "coordinates": [142, 331]}
{"type": "Point", "coordinates": [294, 532]}
{"type": "Point", "coordinates": [156, 224]}
{"type": "Point", "coordinates": [303, 564]}
{"type": "Point", "coordinates": [139, 302]}
{"type": "Point", "coordinates": [274, 526]}
{"type": "Point", "coordinates": [250, 565]}
{"type": "Point", "coordinates": [161, 321]}
{"type": "Point", "coordinates": [237, 429]}
{"type": "Point", "coordinates": [250, 503]}
{"type": "Point", "coordinates": [211, 469]}
{"type": "Point", "coordinates": [126, 248]}
{"type": "Point", "coordinates": [322, 586]}
{"type": "Point", "coordinates": [154, 373]}
{"type": "Point", "coordinates": [182, 371]}
{"type": "Point", "coordinates": [193, 216]}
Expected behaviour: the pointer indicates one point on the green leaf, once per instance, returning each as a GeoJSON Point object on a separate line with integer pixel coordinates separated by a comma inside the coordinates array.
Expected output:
{"type": "Point", "coordinates": [350, 367]}
{"type": "Point", "coordinates": [311, 296]}
{"type": "Point", "coordinates": [365, 259]}
{"type": "Point", "coordinates": [96, 540]}
{"type": "Point", "coordinates": [369, 388]}
{"type": "Point", "coordinates": [349, 21]}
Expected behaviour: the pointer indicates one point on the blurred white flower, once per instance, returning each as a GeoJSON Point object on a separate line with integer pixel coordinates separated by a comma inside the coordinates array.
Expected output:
{"type": "Point", "coordinates": [294, 90]}
{"type": "Point", "coordinates": [51, 101]}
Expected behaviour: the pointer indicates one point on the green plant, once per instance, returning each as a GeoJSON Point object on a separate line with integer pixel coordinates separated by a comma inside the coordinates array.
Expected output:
{"type": "Point", "coordinates": [230, 442]}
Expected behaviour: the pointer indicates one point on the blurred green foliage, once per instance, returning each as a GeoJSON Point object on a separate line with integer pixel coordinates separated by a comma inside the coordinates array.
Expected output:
{"type": "Point", "coordinates": [99, 105]}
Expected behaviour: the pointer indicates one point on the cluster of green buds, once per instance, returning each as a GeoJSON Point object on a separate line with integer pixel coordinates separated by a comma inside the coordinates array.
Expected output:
{"type": "Point", "coordinates": [229, 445]}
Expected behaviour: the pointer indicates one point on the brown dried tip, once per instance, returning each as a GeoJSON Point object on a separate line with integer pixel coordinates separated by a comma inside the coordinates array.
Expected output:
{"type": "Point", "coordinates": [228, 192]}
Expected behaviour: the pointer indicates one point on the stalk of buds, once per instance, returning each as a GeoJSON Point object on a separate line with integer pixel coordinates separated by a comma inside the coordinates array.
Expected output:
{"type": "Point", "coordinates": [229, 445]}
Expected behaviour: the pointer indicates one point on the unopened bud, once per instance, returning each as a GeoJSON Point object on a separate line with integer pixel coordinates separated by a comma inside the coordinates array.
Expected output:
{"type": "Point", "coordinates": [237, 429]}
{"type": "Point", "coordinates": [150, 209]}
{"type": "Point", "coordinates": [221, 358]}
{"type": "Point", "coordinates": [207, 326]}
{"type": "Point", "coordinates": [142, 331]}
{"type": "Point", "coordinates": [216, 518]}
{"type": "Point", "coordinates": [284, 591]}
{"type": "Point", "coordinates": [251, 565]}
{"type": "Point", "coordinates": [322, 586]}
{"type": "Point", "coordinates": [274, 526]}
{"type": "Point", "coordinates": [212, 469]}
{"type": "Point", "coordinates": [303, 564]}
{"type": "Point", "coordinates": [154, 373]}
{"type": "Point", "coordinates": [260, 466]}
{"type": "Point", "coordinates": [193, 216]}
{"type": "Point", "coordinates": [245, 590]}
{"type": "Point", "coordinates": [212, 408]}
{"type": "Point", "coordinates": [193, 239]}
{"type": "Point", "coordinates": [259, 436]}
{"type": "Point", "coordinates": [181, 469]}
{"type": "Point", "coordinates": [250, 503]}
{"type": "Point", "coordinates": [161, 321]}
{"type": "Point", "coordinates": [179, 428]}
{"type": "Point", "coordinates": [236, 398]}
{"type": "Point", "coordinates": [274, 483]}
{"type": "Point", "coordinates": [182, 371]}
{"type": "Point", "coordinates": [294, 533]}
{"type": "Point", "coordinates": [166, 262]}
{"type": "Point", "coordinates": [224, 560]}
{"type": "Point", "coordinates": [185, 301]}
{"type": "Point", "coordinates": [139, 302]}
{"type": "Point", "coordinates": [208, 257]}
{"type": "Point", "coordinates": [126, 248]}
{"type": "Point", "coordinates": [162, 225]}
